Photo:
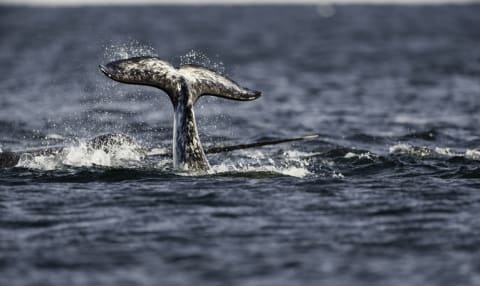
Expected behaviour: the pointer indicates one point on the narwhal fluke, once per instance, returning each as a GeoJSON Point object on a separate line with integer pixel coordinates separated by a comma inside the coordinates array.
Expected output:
{"type": "Point", "coordinates": [184, 85]}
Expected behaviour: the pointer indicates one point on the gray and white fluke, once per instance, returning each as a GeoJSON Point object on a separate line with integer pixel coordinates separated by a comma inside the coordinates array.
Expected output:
{"type": "Point", "coordinates": [184, 85]}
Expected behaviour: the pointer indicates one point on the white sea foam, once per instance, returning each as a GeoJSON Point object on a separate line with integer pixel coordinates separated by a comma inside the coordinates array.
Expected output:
{"type": "Point", "coordinates": [445, 152]}
{"type": "Point", "coordinates": [253, 154]}
{"type": "Point", "coordinates": [403, 148]}
{"type": "Point", "coordinates": [117, 156]}
{"type": "Point", "coordinates": [291, 163]}
{"type": "Point", "coordinates": [399, 148]}
{"type": "Point", "coordinates": [43, 162]}
{"type": "Point", "coordinates": [338, 175]}
{"type": "Point", "coordinates": [299, 172]}
{"type": "Point", "coordinates": [83, 155]}
{"type": "Point", "coordinates": [366, 155]}
{"type": "Point", "coordinates": [472, 154]}
{"type": "Point", "coordinates": [299, 154]}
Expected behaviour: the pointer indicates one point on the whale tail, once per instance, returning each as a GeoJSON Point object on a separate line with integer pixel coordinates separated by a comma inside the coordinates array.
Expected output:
{"type": "Point", "coordinates": [208, 82]}
{"type": "Point", "coordinates": [184, 85]}
{"type": "Point", "coordinates": [155, 72]}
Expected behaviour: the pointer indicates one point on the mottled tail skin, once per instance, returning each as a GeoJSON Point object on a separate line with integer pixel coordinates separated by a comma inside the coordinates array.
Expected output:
{"type": "Point", "coordinates": [184, 85]}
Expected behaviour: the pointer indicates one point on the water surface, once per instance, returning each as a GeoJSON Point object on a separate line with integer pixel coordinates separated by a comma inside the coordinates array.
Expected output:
{"type": "Point", "coordinates": [388, 195]}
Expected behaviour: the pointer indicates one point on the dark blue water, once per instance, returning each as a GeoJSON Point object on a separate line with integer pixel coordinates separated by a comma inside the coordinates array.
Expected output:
{"type": "Point", "coordinates": [388, 195]}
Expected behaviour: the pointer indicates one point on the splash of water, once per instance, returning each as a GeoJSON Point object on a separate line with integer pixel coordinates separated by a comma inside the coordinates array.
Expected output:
{"type": "Point", "coordinates": [472, 154]}
{"type": "Point", "coordinates": [124, 155]}
{"type": "Point", "coordinates": [132, 48]}
{"type": "Point", "coordinates": [290, 163]}
{"type": "Point", "coordinates": [199, 58]}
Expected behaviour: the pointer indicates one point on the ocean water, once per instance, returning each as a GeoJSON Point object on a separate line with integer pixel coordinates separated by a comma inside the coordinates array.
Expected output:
{"type": "Point", "coordinates": [389, 194]}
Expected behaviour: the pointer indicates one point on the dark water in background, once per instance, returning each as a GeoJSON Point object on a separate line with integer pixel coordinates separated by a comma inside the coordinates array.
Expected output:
{"type": "Point", "coordinates": [389, 195]}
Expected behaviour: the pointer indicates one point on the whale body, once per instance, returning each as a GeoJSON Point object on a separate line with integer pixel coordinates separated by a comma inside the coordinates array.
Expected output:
{"type": "Point", "coordinates": [184, 86]}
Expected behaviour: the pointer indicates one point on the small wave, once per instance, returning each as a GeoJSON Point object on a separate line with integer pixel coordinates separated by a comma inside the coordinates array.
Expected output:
{"type": "Point", "coordinates": [472, 154]}
{"type": "Point", "coordinates": [403, 148]}
{"type": "Point", "coordinates": [292, 171]}
{"type": "Point", "coordinates": [292, 163]}
{"type": "Point", "coordinates": [365, 155]}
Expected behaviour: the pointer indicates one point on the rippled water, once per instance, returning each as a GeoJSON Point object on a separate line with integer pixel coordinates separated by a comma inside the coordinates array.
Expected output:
{"type": "Point", "coordinates": [388, 195]}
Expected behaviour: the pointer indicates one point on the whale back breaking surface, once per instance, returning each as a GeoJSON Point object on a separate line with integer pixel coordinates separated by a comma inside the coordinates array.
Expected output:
{"type": "Point", "coordinates": [8, 159]}
{"type": "Point", "coordinates": [184, 85]}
